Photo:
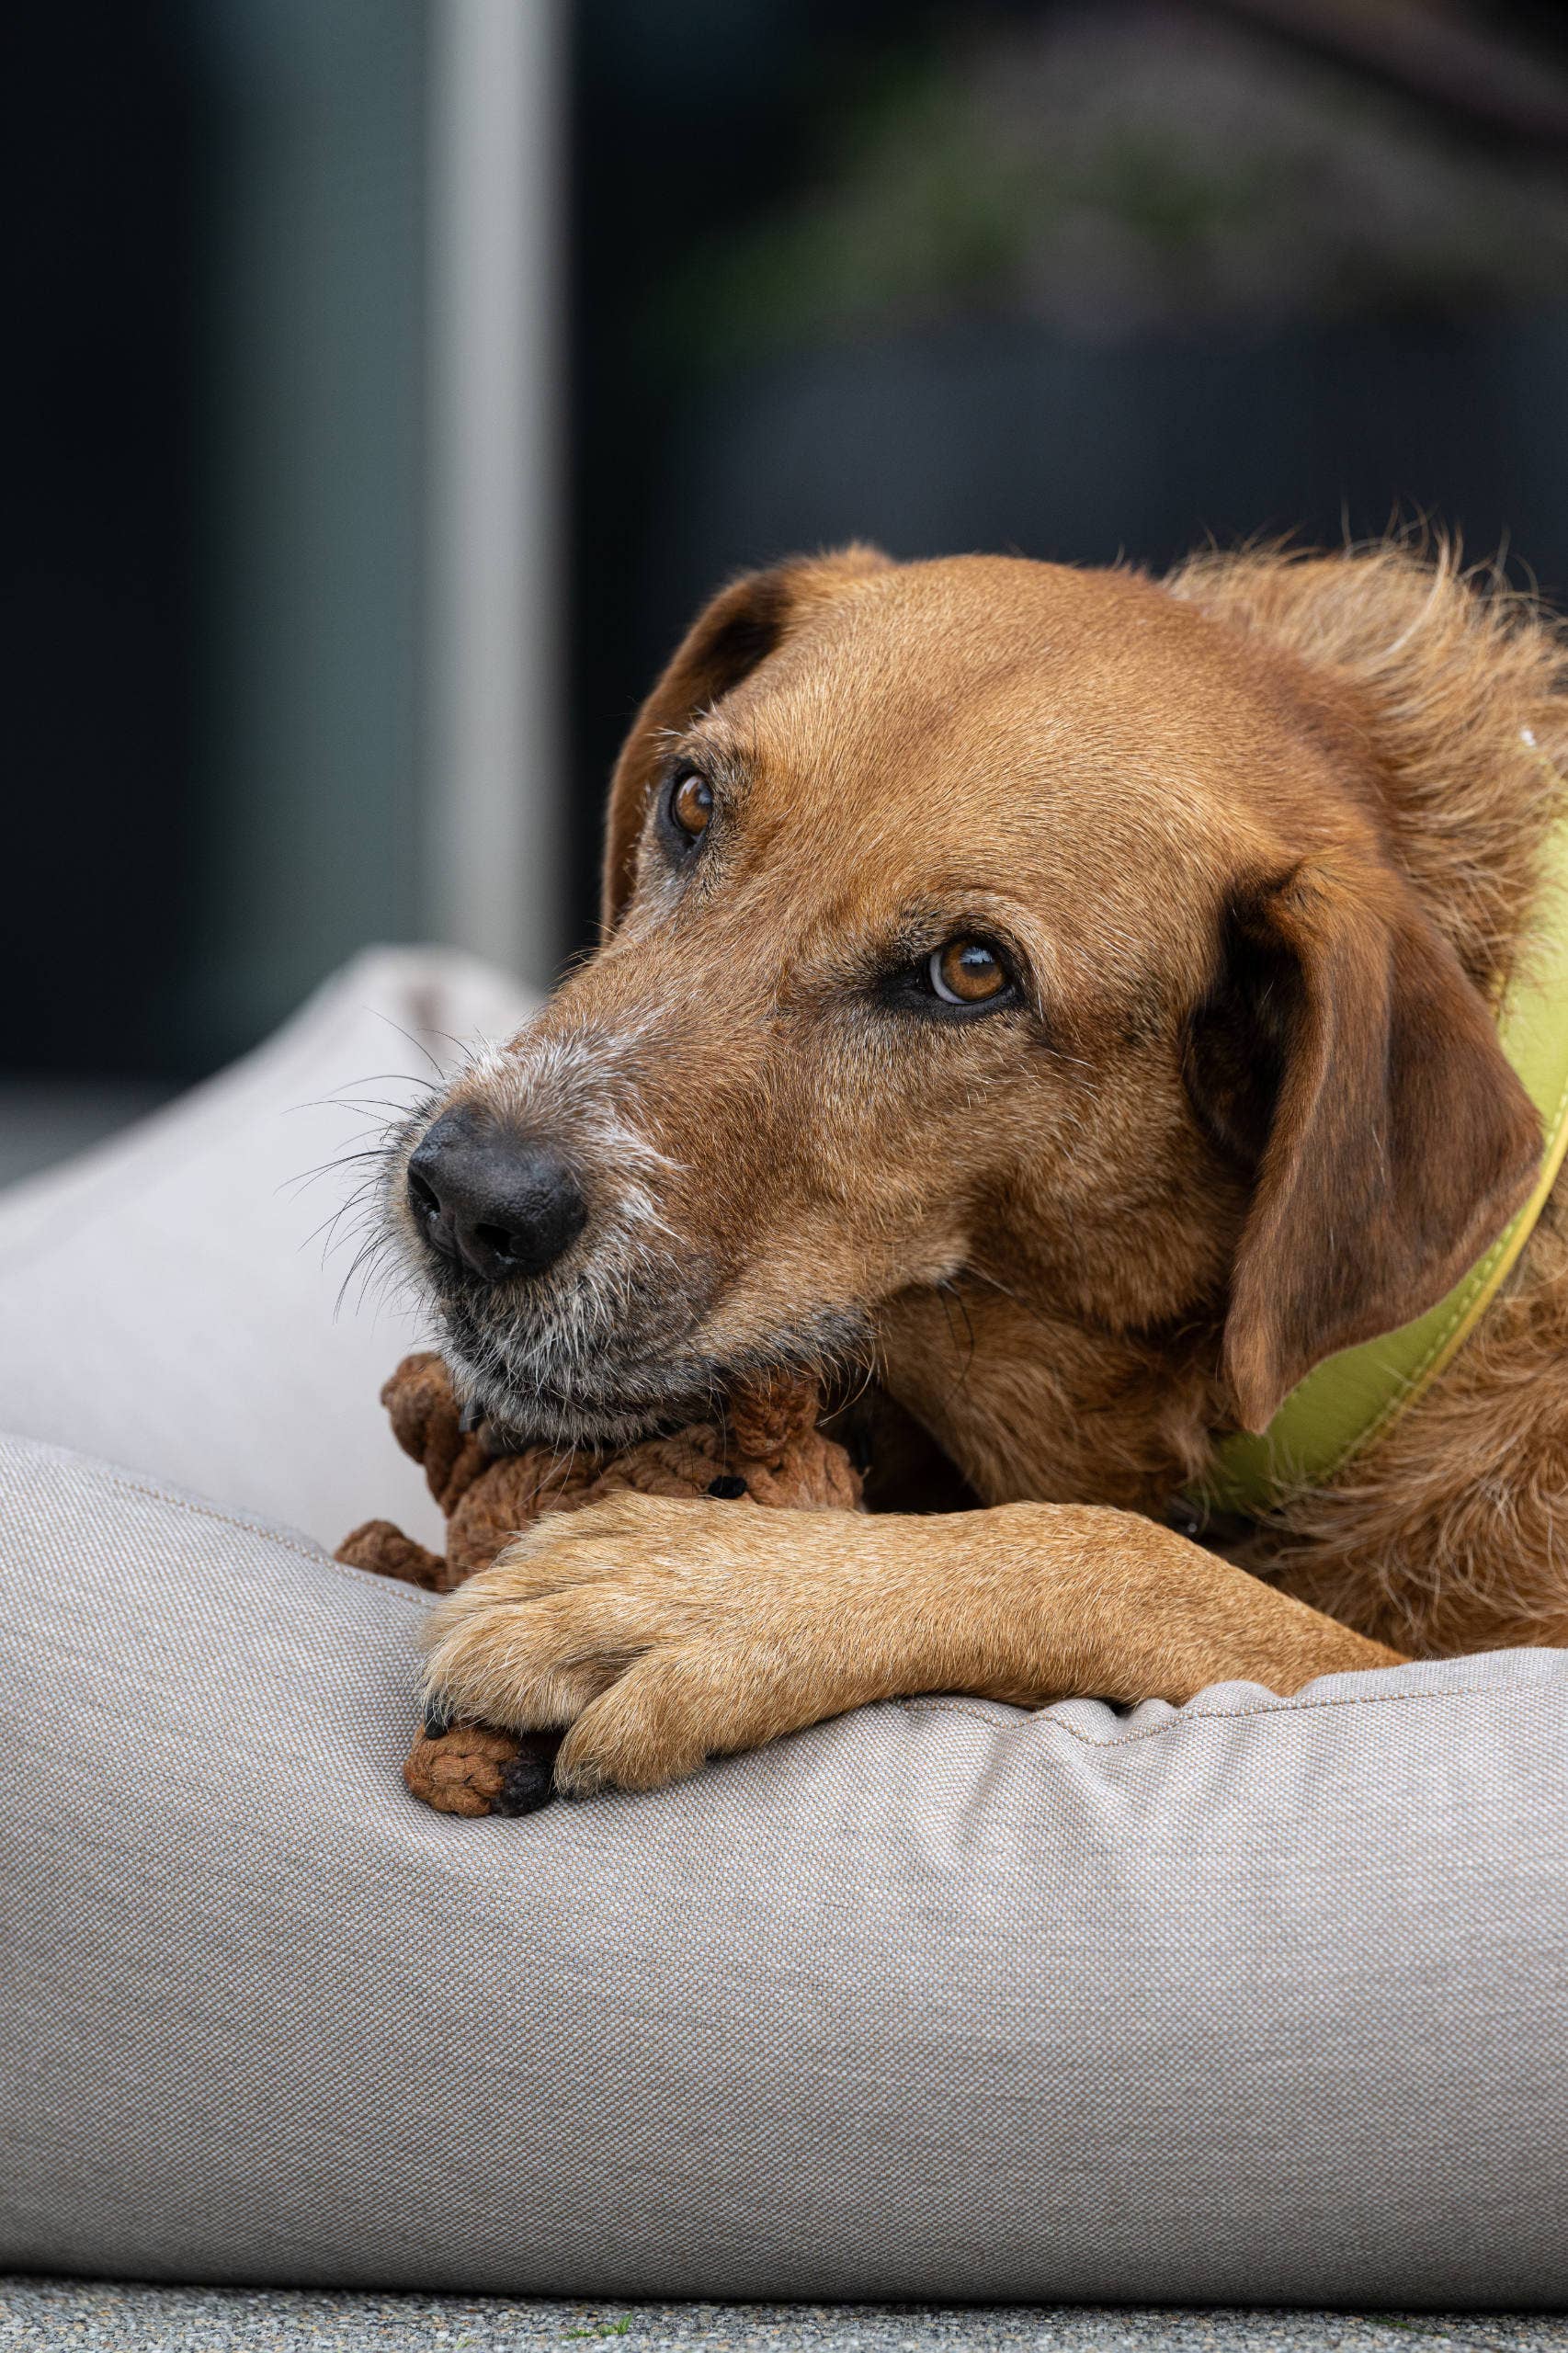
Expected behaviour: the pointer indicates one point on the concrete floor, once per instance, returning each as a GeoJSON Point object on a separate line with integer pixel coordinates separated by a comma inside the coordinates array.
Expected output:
{"type": "Point", "coordinates": [92, 2316]}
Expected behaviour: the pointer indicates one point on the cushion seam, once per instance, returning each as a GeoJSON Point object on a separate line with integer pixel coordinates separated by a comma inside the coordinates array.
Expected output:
{"type": "Point", "coordinates": [317, 1553]}
{"type": "Point", "coordinates": [916, 1703]}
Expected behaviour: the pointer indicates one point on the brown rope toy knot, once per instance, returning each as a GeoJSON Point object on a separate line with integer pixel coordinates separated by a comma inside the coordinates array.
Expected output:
{"type": "Point", "coordinates": [767, 1447]}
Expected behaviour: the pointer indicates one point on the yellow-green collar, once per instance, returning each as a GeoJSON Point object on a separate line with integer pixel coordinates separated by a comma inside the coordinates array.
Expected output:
{"type": "Point", "coordinates": [1350, 1399]}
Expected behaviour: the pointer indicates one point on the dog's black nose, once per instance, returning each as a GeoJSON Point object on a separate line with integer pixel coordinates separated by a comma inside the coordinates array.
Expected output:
{"type": "Point", "coordinates": [500, 1203]}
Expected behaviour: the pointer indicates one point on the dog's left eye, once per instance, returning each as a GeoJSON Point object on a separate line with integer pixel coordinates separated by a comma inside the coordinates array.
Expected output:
{"type": "Point", "coordinates": [690, 805]}
{"type": "Point", "coordinates": [967, 973]}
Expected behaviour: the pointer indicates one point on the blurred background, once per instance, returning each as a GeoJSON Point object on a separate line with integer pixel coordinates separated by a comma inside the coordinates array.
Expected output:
{"type": "Point", "coordinates": [390, 378]}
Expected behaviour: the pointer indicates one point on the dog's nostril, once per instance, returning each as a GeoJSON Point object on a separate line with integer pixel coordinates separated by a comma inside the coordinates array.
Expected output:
{"type": "Point", "coordinates": [500, 1239]}
{"type": "Point", "coordinates": [502, 1203]}
{"type": "Point", "coordinates": [424, 1204]}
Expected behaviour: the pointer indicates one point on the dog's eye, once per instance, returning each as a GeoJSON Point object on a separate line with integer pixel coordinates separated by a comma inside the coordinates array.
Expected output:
{"type": "Point", "coordinates": [691, 804]}
{"type": "Point", "coordinates": [967, 971]}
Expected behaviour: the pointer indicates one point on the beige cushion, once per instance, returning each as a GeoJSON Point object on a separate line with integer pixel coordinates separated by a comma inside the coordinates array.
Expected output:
{"type": "Point", "coordinates": [171, 1302]}
{"type": "Point", "coordinates": [1261, 2000]}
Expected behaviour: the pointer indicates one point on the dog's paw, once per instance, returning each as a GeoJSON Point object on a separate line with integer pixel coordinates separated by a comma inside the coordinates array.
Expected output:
{"type": "Point", "coordinates": [658, 1633]}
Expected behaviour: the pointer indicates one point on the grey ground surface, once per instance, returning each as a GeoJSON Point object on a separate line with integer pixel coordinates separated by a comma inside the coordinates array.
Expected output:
{"type": "Point", "coordinates": [104, 2316]}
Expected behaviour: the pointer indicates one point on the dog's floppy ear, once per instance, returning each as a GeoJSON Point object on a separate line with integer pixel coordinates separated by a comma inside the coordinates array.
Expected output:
{"type": "Point", "coordinates": [1345, 1054]}
{"type": "Point", "coordinates": [746, 622]}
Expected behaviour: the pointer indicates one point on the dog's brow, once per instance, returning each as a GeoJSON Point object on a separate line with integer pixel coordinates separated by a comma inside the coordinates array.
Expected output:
{"type": "Point", "coordinates": [713, 747]}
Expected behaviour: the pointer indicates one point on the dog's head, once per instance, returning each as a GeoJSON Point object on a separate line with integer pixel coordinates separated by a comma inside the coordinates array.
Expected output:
{"type": "Point", "coordinates": [979, 925]}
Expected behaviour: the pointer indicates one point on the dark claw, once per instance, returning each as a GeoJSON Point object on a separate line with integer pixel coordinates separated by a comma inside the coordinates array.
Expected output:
{"type": "Point", "coordinates": [727, 1487]}
{"type": "Point", "coordinates": [470, 1417]}
{"type": "Point", "coordinates": [438, 1719]}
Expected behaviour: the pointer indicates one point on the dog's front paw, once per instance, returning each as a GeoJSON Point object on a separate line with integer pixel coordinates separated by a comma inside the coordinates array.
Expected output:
{"type": "Point", "coordinates": [661, 1634]}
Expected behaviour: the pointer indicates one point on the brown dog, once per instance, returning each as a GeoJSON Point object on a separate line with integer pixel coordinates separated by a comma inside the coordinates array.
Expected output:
{"type": "Point", "coordinates": [1068, 998]}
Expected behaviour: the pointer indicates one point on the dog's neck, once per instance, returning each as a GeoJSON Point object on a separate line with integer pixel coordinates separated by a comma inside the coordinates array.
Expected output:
{"type": "Point", "coordinates": [1033, 1406]}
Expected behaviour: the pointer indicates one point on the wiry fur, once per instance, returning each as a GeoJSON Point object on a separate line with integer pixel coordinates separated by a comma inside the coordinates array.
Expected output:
{"type": "Point", "coordinates": [1453, 683]}
{"type": "Point", "coordinates": [1451, 1533]}
{"type": "Point", "coordinates": [1264, 843]}
{"type": "Point", "coordinates": [601, 1359]}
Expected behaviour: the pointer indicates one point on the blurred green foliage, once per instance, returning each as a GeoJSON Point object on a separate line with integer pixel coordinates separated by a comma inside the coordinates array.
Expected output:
{"type": "Point", "coordinates": [1108, 171]}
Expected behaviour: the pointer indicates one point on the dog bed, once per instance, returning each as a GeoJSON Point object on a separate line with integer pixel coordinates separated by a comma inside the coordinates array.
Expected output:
{"type": "Point", "coordinates": [1256, 2000]}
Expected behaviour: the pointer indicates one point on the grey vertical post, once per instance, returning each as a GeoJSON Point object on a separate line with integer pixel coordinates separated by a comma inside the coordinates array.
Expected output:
{"type": "Point", "coordinates": [494, 841]}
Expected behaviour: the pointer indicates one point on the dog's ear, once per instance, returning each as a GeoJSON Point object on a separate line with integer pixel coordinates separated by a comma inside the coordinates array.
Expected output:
{"type": "Point", "coordinates": [1345, 1055]}
{"type": "Point", "coordinates": [746, 622]}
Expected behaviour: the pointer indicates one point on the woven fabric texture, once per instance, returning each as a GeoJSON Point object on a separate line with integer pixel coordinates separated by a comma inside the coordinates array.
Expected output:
{"type": "Point", "coordinates": [1257, 2000]}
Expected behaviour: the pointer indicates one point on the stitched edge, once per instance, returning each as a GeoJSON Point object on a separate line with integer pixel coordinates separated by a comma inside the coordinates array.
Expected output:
{"type": "Point", "coordinates": [918, 1705]}
{"type": "Point", "coordinates": [316, 1552]}
{"type": "Point", "coordinates": [915, 1704]}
